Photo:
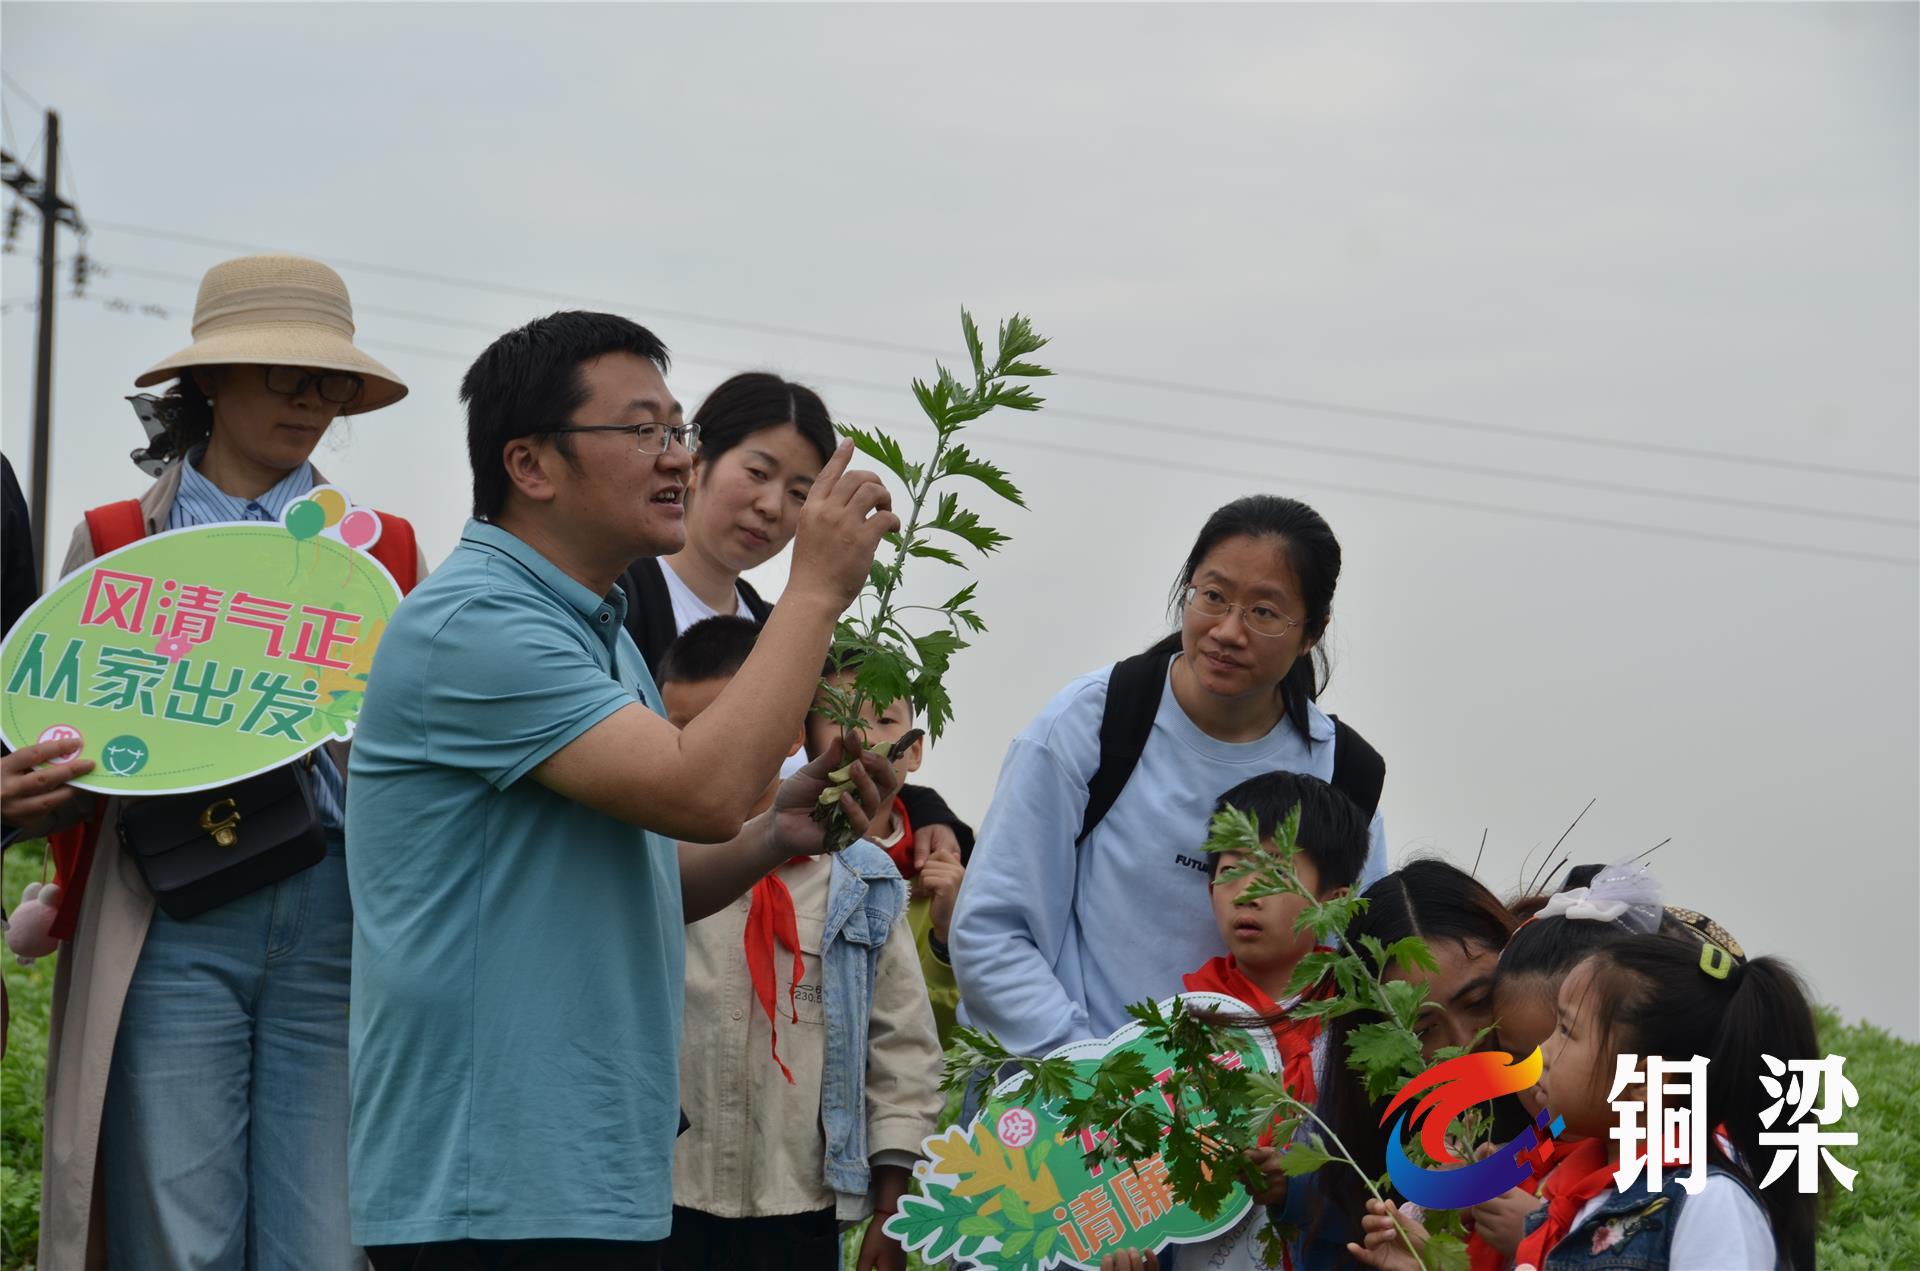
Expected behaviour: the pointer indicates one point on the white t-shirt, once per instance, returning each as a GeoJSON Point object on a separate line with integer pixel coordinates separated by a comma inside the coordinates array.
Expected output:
{"type": "Point", "coordinates": [1722, 1229]}
{"type": "Point", "coordinates": [689, 609]}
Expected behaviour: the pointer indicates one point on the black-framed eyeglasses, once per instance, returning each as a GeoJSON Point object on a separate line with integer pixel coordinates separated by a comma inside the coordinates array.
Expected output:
{"type": "Point", "coordinates": [653, 439]}
{"type": "Point", "coordinates": [338, 387]}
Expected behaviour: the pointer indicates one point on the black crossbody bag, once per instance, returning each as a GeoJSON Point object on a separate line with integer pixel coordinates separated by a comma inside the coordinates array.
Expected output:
{"type": "Point", "coordinates": [198, 851]}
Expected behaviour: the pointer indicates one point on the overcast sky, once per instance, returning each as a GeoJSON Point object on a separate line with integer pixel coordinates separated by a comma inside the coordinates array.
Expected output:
{"type": "Point", "coordinates": [1679, 227]}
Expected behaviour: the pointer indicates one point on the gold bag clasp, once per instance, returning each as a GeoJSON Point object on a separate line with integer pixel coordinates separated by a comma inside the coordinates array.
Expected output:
{"type": "Point", "coordinates": [221, 824]}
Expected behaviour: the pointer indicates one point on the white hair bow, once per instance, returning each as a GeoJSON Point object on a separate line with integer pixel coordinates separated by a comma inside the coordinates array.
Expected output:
{"type": "Point", "coordinates": [1578, 902]}
{"type": "Point", "coordinates": [1624, 894]}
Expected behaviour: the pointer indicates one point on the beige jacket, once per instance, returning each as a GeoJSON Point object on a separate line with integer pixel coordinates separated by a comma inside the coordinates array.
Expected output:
{"type": "Point", "coordinates": [89, 986]}
{"type": "Point", "coordinates": [756, 1145]}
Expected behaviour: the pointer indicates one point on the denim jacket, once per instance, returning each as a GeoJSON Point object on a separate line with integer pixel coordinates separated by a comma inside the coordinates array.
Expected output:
{"type": "Point", "coordinates": [865, 897]}
{"type": "Point", "coordinates": [1631, 1231]}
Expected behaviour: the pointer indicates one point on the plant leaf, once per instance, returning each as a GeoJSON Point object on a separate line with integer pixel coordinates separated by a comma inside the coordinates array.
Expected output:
{"type": "Point", "coordinates": [1384, 1055]}
{"type": "Point", "coordinates": [1410, 952]}
{"type": "Point", "coordinates": [1302, 1158]}
{"type": "Point", "coordinates": [928, 550]}
{"type": "Point", "coordinates": [885, 450]}
{"type": "Point", "coordinates": [960, 462]}
{"type": "Point", "coordinates": [956, 520]}
{"type": "Point", "coordinates": [974, 351]}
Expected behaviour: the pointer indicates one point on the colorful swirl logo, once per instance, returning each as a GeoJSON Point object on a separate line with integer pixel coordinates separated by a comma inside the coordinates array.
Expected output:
{"type": "Point", "coordinates": [1451, 1088]}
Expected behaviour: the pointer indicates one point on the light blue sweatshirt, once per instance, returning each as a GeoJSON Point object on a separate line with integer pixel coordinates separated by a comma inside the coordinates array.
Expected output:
{"type": "Point", "coordinates": [1051, 942]}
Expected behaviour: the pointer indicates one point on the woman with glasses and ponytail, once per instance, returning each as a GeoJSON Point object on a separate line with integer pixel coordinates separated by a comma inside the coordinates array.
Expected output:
{"type": "Point", "coordinates": [1089, 889]}
{"type": "Point", "coordinates": [197, 1076]}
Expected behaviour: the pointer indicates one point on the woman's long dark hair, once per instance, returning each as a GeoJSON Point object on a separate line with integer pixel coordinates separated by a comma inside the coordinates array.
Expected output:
{"type": "Point", "coordinates": [754, 401]}
{"type": "Point", "coordinates": [1653, 998]}
{"type": "Point", "coordinates": [1313, 552]}
{"type": "Point", "coordinates": [1437, 902]}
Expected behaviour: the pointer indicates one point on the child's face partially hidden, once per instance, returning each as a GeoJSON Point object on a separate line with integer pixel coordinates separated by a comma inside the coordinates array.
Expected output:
{"type": "Point", "coordinates": [1260, 934]}
{"type": "Point", "coordinates": [685, 700]}
{"type": "Point", "coordinates": [881, 729]}
{"type": "Point", "coordinates": [1578, 1068]}
{"type": "Point", "coordinates": [1523, 1010]}
{"type": "Point", "coordinates": [1459, 993]}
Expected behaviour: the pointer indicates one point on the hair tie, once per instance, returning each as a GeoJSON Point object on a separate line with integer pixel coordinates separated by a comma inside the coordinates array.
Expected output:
{"type": "Point", "coordinates": [1716, 961]}
{"type": "Point", "coordinates": [1707, 930]}
{"type": "Point", "coordinates": [1627, 895]}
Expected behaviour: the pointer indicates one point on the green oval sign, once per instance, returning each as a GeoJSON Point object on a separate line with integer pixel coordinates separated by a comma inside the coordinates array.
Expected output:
{"type": "Point", "coordinates": [196, 657]}
{"type": "Point", "coordinates": [1014, 1191]}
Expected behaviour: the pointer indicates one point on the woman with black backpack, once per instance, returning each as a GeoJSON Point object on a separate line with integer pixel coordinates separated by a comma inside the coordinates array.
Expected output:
{"type": "Point", "coordinates": [1088, 888]}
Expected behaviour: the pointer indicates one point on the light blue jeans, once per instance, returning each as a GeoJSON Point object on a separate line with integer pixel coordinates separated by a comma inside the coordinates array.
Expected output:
{"type": "Point", "coordinates": [224, 1138]}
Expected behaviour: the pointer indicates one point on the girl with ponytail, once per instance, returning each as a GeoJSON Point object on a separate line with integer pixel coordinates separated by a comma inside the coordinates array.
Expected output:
{"type": "Point", "coordinates": [1672, 997]}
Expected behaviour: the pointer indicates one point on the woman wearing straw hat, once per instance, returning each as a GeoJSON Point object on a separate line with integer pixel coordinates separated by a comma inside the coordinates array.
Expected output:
{"type": "Point", "coordinates": [196, 1081]}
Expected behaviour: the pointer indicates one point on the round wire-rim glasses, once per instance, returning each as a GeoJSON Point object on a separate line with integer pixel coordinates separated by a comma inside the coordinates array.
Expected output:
{"type": "Point", "coordinates": [1259, 617]}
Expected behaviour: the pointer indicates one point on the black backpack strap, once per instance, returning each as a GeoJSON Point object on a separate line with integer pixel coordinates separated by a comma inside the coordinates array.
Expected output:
{"type": "Point", "coordinates": [1133, 699]}
{"type": "Point", "coordinates": [755, 605]}
{"type": "Point", "coordinates": [649, 610]}
{"type": "Point", "coordinates": [1358, 770]}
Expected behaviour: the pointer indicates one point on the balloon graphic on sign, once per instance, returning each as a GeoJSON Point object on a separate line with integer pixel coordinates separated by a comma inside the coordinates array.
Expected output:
{"type": "Point", "coordinates": [360, 528]}
{"type": "Point", "coordinates": [305, 519]}
{"type": "Point", "coordinates": [333, 504]}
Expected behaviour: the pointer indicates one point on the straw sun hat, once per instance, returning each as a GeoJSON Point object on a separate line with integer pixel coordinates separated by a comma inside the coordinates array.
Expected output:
{"type": "Point", "coordinates": [277, 310]}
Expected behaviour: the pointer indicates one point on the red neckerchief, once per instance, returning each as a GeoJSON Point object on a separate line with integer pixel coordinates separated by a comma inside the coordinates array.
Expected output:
{"type": "Point", "coordinates": [1586, 1171]}
{"type": "Point", "coordinates": [1482, 1256]}
{"type": "Point", "coordinates": [770, 918]}
{"type": "Point", "coordinates": [1295, 1037]}
{"type": "Point", "coordinates": [1583, 1173]}
{"type": "Point", "coordinates": [901, 853]}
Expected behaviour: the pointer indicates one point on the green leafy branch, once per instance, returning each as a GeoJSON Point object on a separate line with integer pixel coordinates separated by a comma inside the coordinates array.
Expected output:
{"type": "Point", "coordinates": [1215, 1114]}
{"type": "Point", "coordinates": [889, 659]}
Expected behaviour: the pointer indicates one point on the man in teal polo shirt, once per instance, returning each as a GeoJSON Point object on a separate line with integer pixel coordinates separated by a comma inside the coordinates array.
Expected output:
{"type": "Point", "coordinates": [513, 810]}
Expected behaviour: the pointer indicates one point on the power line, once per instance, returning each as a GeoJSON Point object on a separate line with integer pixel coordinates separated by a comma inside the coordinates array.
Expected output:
{"type": "Point", "coordinates": [1207, 470]}
{"type": "Point", "coordinates": [1443, 465]}
{"type": "Point", "coordinates": [14, 84]}
{"type": "Point", "coordinates": [1109, 377]}
{"type": "Point", "coordinates": [1211, 434]}
{"type": "Point", "coordinates": [1238, 474]}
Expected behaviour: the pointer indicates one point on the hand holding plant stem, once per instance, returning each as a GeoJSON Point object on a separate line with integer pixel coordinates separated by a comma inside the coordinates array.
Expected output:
{"type": "Point", "coordinates": [886, 657]}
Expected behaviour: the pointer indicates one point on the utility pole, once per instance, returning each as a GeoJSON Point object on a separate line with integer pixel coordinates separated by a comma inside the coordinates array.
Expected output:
{"type": "Point", "coordinates": [54, 212]}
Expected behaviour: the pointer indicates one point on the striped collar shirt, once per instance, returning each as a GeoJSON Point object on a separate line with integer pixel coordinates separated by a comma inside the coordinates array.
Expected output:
{"type": "Point", "coordinates": [201, 502]}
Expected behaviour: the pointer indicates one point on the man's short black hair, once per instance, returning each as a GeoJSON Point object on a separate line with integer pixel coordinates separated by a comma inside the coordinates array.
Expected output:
{"type": "Point", "coordinates": [1333, 830]}
{"type": "Point", "coordinates": [529, 379]}
{"type": "Point", "coordinates": [709, 649]}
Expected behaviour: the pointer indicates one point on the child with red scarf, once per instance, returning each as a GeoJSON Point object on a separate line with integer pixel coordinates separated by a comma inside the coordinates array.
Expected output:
{"type": "Point", "coordinates": [762, 1178]}
{"type": "Point", "coordinates": [932, 875]}
{"type": "Point", "coordinates": [1264, 948]}
{"type": "Point", "coordinates": [1674, 995]}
